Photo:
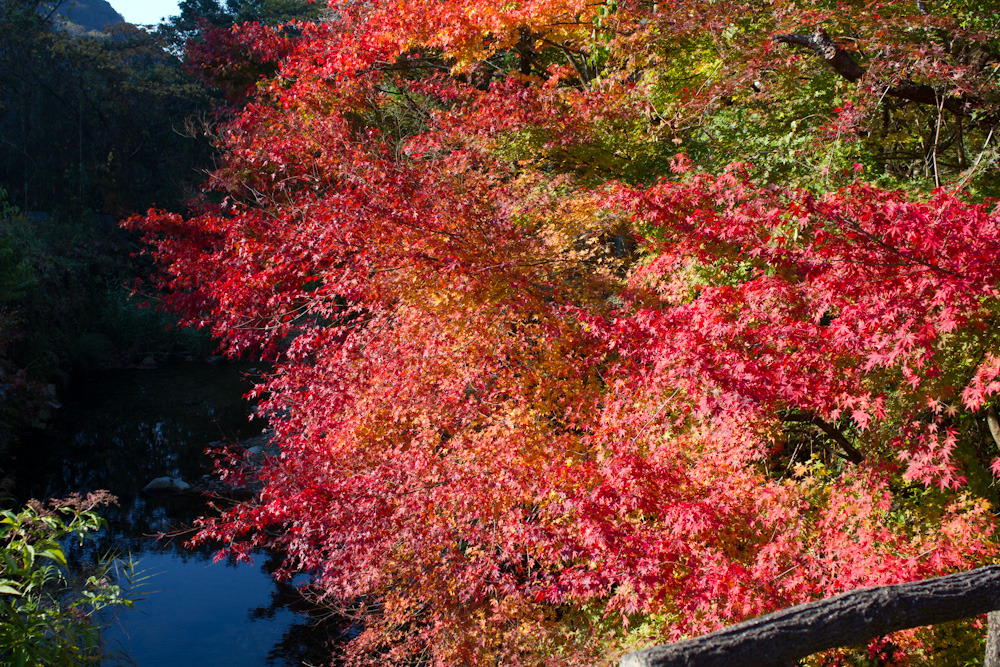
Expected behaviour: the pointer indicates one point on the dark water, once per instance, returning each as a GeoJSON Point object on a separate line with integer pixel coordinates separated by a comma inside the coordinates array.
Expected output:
{"type": "Point", "coordinates": [118, 430]}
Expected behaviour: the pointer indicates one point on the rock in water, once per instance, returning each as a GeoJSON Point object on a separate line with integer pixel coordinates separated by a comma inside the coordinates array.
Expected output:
{"type": "Point", "coordinates": [167, 485]}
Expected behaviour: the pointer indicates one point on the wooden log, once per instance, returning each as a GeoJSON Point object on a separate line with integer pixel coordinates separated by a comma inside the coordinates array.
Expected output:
{"type": "Point", "coordinates": [784, 637]}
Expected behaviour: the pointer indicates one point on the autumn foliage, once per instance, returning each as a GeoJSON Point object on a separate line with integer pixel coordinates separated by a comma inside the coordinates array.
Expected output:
{"type": "Point", "coordinates": [595, 326]}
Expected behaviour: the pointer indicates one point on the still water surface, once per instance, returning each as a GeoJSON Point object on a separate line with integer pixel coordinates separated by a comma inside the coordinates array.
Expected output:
{"type": "Point", "coordinates": [118, 430]}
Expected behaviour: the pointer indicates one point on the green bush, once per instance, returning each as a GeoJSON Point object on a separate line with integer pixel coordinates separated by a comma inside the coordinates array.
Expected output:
{"type": "Point", "coordinates": [48, 617]}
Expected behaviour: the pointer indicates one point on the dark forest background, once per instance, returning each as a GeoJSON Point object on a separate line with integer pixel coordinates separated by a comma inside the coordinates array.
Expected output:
{"type": "Point", "coordinates": [99, 120]}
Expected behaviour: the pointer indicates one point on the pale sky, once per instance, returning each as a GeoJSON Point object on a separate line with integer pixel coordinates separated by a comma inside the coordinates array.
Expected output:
{"type": "Point", "coordinates": [142, 12]}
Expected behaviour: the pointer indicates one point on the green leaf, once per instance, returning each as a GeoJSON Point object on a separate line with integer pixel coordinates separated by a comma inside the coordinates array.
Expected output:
{"type": "Point", "coordinates": [7, 589]}
{"type": "Point", "coordinates": [55, 554]}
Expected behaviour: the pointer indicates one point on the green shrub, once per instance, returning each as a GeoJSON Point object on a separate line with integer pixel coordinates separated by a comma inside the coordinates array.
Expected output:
{"type": "Point", "coordinates": [48, 617]}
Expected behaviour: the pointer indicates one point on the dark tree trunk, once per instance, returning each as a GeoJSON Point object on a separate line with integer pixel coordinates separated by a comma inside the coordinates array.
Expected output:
{"type": "Point", "coordinates": [784, 637]}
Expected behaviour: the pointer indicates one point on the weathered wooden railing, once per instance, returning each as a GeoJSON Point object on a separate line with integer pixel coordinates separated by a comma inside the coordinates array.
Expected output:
{"type": "Point", "coordinates": [782, 638]}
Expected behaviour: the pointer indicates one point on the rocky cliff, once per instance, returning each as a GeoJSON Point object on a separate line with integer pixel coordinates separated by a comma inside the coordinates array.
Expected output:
{"type": "Point", "coordinates": [82, 16]}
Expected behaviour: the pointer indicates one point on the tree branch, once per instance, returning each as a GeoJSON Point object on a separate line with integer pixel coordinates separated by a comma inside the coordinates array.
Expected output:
{"type": "Point", "coordinates": [784, 637]}
{"type": "Point", "coordinates": [844, 64]}
{"type": "Point", "coordinates": [993, 422]}
{"type": "Point", "coordinates": [828, 50]}
{"type": "Point", "coordinates": [851, 452]}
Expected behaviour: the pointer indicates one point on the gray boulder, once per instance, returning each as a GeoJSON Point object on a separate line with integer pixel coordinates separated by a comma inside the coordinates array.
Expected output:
{"type": "Point", "coordinates": [167, 485]}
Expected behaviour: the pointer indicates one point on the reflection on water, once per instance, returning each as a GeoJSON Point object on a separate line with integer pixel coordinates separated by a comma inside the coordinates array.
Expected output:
{"type": "Point", "coordinates": [203, 613]}
{"type": "Point", "coordinates": [198, 612]}
{"type": "Point", "coordinates": [121, 429]}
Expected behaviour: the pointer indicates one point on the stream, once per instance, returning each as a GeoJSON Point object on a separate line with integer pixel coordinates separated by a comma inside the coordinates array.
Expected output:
{"type": "Point", "coordinates": [118, 430]}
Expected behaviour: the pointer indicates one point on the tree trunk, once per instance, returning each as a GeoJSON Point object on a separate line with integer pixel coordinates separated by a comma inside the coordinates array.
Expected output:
{"type": "Point", "coordinates": [784, 637]}
{"type": "Point", "coordinates": [992, 657]}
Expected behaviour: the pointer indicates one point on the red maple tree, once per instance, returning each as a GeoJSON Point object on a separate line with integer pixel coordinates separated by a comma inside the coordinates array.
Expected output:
{"type": "Point", "coordinates": [546, 388]}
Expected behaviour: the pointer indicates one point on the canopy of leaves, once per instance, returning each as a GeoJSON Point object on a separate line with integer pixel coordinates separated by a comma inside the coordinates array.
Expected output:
{"type": "Point", "coordinates": [559, 371]}
{"type": "Point", "coordinates": [197, 18]}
